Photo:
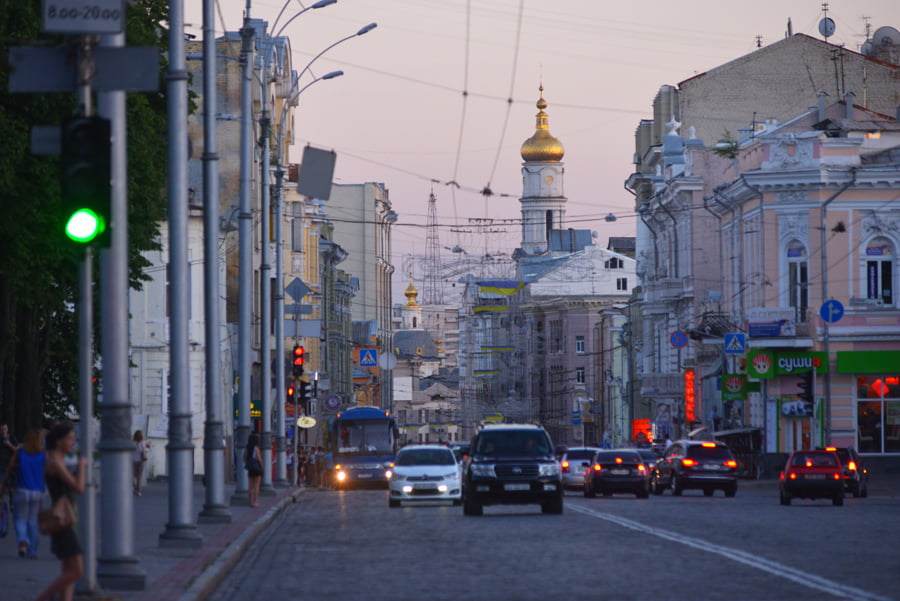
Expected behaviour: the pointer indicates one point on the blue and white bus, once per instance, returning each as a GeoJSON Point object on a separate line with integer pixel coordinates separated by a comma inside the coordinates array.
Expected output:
{"type": "Point", "coordinates": [363, 443]}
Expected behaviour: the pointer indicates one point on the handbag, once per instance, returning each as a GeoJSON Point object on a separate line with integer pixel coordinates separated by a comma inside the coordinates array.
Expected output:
{"type": "Point", "coordinates": [254, 467]}
{"type": "Point", "coordinates": [56, 518]}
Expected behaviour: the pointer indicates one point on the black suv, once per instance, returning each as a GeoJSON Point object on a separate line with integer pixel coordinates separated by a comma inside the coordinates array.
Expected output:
{"type": "Point", "coordinates": [856, 476]}
{"type": "Point", "coordinates": [704, 465]}
{"type": "Point", "coordinates": [512, 464]}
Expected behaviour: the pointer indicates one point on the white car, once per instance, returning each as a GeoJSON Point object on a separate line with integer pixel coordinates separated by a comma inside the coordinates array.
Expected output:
{"type": "Point", "coordinates": [425, 473]}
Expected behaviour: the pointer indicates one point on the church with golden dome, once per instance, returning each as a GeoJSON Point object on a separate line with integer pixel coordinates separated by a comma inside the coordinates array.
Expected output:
{"type": "Point", "coordinates": [543, 198]}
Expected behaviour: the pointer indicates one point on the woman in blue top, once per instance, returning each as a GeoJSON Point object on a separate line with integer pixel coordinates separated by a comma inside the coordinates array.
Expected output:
{"type": "Point", "coordinates": [29, 463]}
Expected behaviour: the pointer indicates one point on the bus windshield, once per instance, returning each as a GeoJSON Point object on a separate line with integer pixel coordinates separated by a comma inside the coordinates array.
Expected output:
{"type": "Point", "coordinates": [365, 436]}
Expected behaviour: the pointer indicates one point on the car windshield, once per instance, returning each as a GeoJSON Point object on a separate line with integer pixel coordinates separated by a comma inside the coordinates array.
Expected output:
{"type": "Point", "coordinates": [629, 457]}
{"type": "Point", "coordinates": [425, 457]}
{"type": "Point", "coordinates": [814, 459]}
{"type": "Point", "coordinates": [517, 442]}
{"type": "Point", "coordinates": [580, 454]}
{"type": "Point", "coordinates": [716, 453]}
{"type": "Point", "coordinates": [648, 455]}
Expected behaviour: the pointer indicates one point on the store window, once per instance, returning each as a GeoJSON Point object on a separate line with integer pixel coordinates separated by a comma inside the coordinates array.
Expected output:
{"type": "Point", "coordinates": [878, 413]}
{"type": "Point", "coordinates": [798, 279]}
{"type": "Point", "coordinates": [880, 271]}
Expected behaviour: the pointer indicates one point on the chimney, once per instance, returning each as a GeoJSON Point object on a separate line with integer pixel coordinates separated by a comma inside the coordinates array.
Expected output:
{"type": "Point", "coordinates": [790, 29]}
{"type": "Point", "coordinates": [822, 96]}
{"type": "Point", "coordinates": [848, 104]}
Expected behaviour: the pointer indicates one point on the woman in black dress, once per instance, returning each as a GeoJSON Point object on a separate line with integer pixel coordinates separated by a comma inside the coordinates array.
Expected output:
{"type": "Point", "coordinates": [253, 463]}
{"type": "Point", "coordinates": [61, 482]}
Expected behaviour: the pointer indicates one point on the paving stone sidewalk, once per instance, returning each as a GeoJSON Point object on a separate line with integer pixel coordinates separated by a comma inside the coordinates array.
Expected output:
{"type": "Point", "coordinates": [173, 574]}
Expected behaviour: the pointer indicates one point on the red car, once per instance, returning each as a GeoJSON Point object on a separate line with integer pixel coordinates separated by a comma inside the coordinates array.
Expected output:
{"type": "Point", "coordinates": [812, 475]}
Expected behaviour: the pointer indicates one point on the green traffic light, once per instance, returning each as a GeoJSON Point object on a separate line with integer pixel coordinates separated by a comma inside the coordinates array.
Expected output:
{"type": "Point", "coordinates": [84, 225]}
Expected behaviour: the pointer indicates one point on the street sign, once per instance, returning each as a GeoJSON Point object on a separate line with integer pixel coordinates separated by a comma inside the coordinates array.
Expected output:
{"type": "Point", "coordinates": [576, 418]}
{"type": "Point", "coordinates": [306, 421]}
{"type": "Point", "coordinates": [297, 289]}
{"type": "Point", "coordinates": [735, 344]}
{"type": "Point", "coordinates": [368, 357]}
{"type": "Point", "coordinates": [333, 402]}
{"type": "Point", "coordinates": [831, 311]}
{"type": "Point", "coordinates": [128, 68]}
{"type": "Point", "coordinates": [678, 339]}
{"type": "Point", "coordinates": [296, 309]}
{"type": "Point", "coordinates": [387, 361]}
{"type": "Point", "coordinates": [83, 16]}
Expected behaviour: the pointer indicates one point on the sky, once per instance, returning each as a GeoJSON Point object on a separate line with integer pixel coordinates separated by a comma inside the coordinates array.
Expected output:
{"type": "Point", "coordinates": [424, 99]}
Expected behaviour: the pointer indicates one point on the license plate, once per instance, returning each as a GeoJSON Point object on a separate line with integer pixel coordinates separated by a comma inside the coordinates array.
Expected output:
{"type": "Point", "coordinates": [363, 476]}
{"type": "Point", "coordinates": [516, 487]}
{"type": "Point", "coordinates": [619, 472]}
{"type": "Point", "coordinates": [814, 476]}
{"type": "Point", "coordinates": [714, 467]}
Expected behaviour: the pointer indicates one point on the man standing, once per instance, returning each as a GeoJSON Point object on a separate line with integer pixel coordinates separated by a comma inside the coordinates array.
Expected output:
{"type": "Point", "coordinates": [714, 419]}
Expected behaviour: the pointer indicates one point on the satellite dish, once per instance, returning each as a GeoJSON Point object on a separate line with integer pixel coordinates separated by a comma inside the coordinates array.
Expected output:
{"type": "Point", "coordinates": [886, 36]}
{"type": "Point", "coordinates": [826, 27]}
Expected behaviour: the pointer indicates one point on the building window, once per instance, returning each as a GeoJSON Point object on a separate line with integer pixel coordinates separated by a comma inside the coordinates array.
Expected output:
{"type": "Point", "coordinates": [622, 284]}
{"type": "Point", "coordinates": [877, 408]}
{"type": "Point", "coordinates": [579, 344]}
{"type": "Point", "coordinates": [579, 375]}
{"type": "Point", "coordinates": [798, 279]}
{"type": "Point", "coordinates": [880, 271]}
{"type": "Point", "coordinates": [614, 263]}
{"type": "Point", "coordinates": [556, 336]}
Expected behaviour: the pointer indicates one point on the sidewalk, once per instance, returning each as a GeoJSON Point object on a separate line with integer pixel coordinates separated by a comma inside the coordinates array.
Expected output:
{"type": "Point", "coordinates": [172, 574]}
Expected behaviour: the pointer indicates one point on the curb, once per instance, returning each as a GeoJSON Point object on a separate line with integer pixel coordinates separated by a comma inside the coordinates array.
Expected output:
{"type": "Point", "coordinates": [208, 580]}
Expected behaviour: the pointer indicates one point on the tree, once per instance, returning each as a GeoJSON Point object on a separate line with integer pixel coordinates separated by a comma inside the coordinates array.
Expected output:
{"type": "Point", "coordinates": [38, 283]}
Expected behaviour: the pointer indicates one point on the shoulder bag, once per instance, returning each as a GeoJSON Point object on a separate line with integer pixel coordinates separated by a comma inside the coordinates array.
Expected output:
{"type": "Point", "coordinates": [57, 517]}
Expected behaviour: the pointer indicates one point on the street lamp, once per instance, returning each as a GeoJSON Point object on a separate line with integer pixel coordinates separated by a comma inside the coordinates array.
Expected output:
{"type": "Point", "coordinates": [319, 4]}
{"type": "Point", "coordinates": [362, 31]}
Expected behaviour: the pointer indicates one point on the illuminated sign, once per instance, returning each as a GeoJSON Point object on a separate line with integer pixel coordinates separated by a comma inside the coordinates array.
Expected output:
{"type": "Point", "coordinates": [690, 395]}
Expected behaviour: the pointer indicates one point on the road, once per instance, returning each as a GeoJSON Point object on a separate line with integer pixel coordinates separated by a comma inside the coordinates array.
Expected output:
{"type": "Point", "coordinates": [351, 546]}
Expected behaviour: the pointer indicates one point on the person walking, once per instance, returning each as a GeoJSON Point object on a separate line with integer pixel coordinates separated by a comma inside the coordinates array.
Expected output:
{"type": "Point", "coordinates": [28, 463]}
{"type": "Point", "coordinates": [253, 464]}
{"type": "Point", "coordinates": [60, 483]}
{"type": "Point", "coordinates": [8, 446]}
{"type": "Point", "coordinates": [139, 459]}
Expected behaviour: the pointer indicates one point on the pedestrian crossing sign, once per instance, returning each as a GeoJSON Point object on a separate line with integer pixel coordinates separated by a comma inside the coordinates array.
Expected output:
{"type": "Point", "coordinates": [735, 344]}
{"type": "Point", "coordinates": [368, 357]}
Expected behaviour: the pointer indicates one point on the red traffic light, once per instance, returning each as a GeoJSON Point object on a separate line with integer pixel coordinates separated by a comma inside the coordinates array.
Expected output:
{"type": "Point", "coordinates": [299, 351]}
{"type": "Point", "coordinates": [290, 390]}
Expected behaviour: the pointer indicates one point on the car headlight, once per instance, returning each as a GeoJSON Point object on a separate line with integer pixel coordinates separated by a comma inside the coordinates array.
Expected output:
{"type": "Point", "coordinates": [550, 469]}
{"type": "Point", "coordinates": [397, 477]}
{"type": "Point", "coordinates": [482, 469]}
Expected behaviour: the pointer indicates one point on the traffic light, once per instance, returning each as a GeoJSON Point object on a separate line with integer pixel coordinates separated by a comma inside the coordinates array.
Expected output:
{"type": "Point", "coordinates": [303, 391]}
{"type": "Point", "coordinates": [290, 392]}
{"type": "Point", "coordinates": [806, 389]}
{"type": "Point", "coordinates": [85, 179]}
{"type": "Point", "coordinates": [299, 358]}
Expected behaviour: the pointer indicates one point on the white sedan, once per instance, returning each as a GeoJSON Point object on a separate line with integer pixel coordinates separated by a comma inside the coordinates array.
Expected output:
{"type": "Point", "coordinates": [425, 473]}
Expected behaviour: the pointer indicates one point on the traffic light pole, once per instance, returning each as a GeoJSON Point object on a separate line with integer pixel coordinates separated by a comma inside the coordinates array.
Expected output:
{"type": "Point", "coordinates": [280, 447]}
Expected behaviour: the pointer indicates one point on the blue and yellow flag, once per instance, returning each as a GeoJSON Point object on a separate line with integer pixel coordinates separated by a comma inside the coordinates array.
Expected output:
{"type": "Point", "coordinates": [501, 287]}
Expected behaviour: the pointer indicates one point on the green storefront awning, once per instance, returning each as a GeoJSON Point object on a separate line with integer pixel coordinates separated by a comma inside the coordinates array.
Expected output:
{"type": "Point", "coordinates": [868, 362]}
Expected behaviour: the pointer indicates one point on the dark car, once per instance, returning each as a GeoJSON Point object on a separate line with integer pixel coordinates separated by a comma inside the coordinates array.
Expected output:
{"type": "Point", "coordinates": [618, 470]}
{"type": "Point", "coordinates": [812, 475]}
{"type": "Point", "coordinates": [512, 464]}
{"type": "Point", "coordinates": [695, 464]}
{"type": "Point", "coordinates": [856, 476]}
{"type": "Point", "coordinates": [650, 457]}
{"type": "Point", "coordinates": [460, 450]}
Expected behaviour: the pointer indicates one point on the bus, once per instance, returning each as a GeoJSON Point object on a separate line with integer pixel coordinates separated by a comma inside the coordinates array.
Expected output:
{"type": "Point", "coordinates": [363, 443]}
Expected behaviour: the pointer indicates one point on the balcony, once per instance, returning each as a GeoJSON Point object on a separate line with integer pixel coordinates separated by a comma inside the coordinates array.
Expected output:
{"type": "Point", "coordinates": [662, 384]}
{"type": "Point", "coordinates": [664, 290]}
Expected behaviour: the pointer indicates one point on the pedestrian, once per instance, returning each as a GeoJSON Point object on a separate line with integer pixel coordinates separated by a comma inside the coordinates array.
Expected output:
{"type": "Point", "coordinates": [8, 446]}
{"type": "Point", "coordinates": [139, 458]}
{"type": "Point", "coordinates": [320, 467]}
{"type": "Point", "coordinates": [714, 418]}
{"type": "Point", "coordinates": [253, 464]}
{"type": "Point", "coordinates": [311, 476]}
{"type": "Point", "coordinates": [28, 461]}
{"type": "Point", "coordinates": [60, 483]}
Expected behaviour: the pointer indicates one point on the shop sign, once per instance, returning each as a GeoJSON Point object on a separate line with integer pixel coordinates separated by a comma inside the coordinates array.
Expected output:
{"type": "Point", "coordinates": [765, 364]}
{"type": "Point", "coordinates": [690, 394]}
{"type": "Point", "coordinates": [792, 406]}
{"type": "Point", "coordinates": [772, 322]}
{"type": "Point", "coordinates": [642, 431]}
{"type": "Point", "coordinates": [734, 387]}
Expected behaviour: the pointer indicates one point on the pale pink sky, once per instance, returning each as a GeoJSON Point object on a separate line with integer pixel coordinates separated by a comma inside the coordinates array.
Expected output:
{"type": "Point", "coordinates": [395, 115]}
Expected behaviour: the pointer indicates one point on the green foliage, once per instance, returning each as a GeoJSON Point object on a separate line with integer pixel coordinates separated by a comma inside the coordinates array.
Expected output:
{"type": "Point", "coordinates": [727, 146]}
{"type": "Point", "coordinates": [38, 282]}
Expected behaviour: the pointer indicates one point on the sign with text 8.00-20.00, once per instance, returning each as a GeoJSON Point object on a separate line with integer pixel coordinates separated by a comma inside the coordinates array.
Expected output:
{"type": "Point", "coordinates": [83, 16]}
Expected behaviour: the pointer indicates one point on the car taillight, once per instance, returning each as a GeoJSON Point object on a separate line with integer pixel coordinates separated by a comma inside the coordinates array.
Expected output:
{"type": "Point", "coordinates": [618, 460]}
{"type": "Point", "coordinates": [851, 466]}
{"type": "Point", "coordinates": [781, 476]}
{"type": "Point", "coordinates": [731, 463]}
{"type": "Point", "coordinates": [641, 468]}
{"type": "Point", "coordinates": [565, 466]}
{"type": "Point", "coordinates": [686, 462]}
{"type": "Point", "coordinates": [837, 476]}
{"type": "Point", "coordinates": [709, 445]}
{"type": "Point", "coordinates": [597, 467]}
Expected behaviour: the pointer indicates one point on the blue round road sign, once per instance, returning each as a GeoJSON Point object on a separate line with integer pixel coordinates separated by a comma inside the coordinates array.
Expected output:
{"type": "Point", "coordinates": [678, 339]}
{"type": "Point", "coordinates": [831, 311]}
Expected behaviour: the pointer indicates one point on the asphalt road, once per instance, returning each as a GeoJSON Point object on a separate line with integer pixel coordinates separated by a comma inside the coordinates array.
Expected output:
{"type": "Point", "coordinates": [351, 546]}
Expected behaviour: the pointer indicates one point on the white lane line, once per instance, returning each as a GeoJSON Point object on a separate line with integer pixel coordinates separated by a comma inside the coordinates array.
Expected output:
{"type": "Point", "coordinates": [777, 569]}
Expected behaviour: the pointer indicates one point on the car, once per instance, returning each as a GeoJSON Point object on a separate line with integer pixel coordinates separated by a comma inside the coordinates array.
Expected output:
{"type": "Point", "coordinates": [424, 473]}
{"type": "Point", "coordinates": [617, 470]}
{"type": "Point", "coordinates": [812, 475]}
{"type": "Point", "coordinates": [696, 464]}
{"type": "Point", "coordinates": [856, 476]}
{"type": "Point", "coordinates": [460, 450]}
{"type": "Point", "coordinates": [574, 463]}
{"type": "Point", "coordinates": [512, 464]}
{"type": "Point", "coordinates": [650, 458]}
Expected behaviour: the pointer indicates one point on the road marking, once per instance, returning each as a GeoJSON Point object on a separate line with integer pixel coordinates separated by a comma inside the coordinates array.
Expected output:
{"type": "Point", "coordinates": [773, 567]}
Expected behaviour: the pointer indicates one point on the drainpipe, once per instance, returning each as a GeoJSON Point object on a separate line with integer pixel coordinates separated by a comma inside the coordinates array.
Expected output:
{"type": "Point", "coordinates": [641, 210]}
{"type": "Point", "coordinates": [824, 299]}
{"type": "Point", "coordinates": [721, 243]}
{"type": "Point", "coordinates": [762, 233]}
{"type": "Point", "coordinates": [674, 235]}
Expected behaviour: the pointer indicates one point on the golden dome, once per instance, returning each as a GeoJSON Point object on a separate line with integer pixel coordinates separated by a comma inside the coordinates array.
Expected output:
{"type": "Point", "coordinates": [542, 146]}
{"type": "Point", "coordinates": [411, 293]}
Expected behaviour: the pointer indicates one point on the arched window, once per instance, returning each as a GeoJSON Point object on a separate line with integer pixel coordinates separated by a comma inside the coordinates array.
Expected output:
{"type": "Point", "coordinates": [879, 259]}
{"type": "Point", "coordinates": [798, 279]}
